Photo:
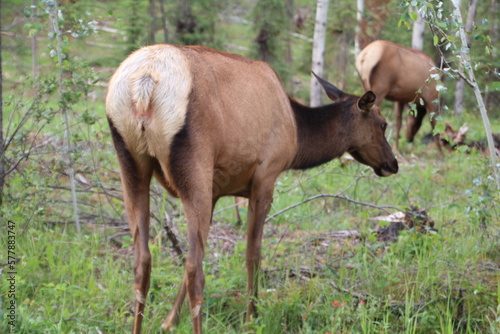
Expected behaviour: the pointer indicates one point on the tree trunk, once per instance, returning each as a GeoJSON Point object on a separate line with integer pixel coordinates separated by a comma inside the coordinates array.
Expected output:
{"type": "Point", "coordinates": [417, 38]}
{"type": "Point", "coordinates": [459, 89]}
{"type": "Point", "coordinates": [318, 52]}
{"type": "Point", "coordinates": [152, 33]}
{"type": "Point", "coordinates": [359, 18]}
{"type": "Point", "coordinates": [465, 60]}
{"type": "Point", "coordinates": [164, 20]}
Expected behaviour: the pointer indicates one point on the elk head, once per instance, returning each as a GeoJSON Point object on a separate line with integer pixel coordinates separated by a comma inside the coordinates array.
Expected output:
{"type": "Point", "coordinates": [367, 142]}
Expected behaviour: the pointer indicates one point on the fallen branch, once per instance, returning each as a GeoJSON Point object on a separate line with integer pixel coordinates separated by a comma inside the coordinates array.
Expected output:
{"type": "Point", "coordinates": [171, 234]}
{"type": "Point", "coordinates": [380, 207]}
{"type": "Point", "coordinates": [358, 295]}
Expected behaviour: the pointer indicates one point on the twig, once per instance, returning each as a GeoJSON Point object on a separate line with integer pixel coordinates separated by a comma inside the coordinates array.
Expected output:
{"type": "Point", "coordinates": [359, 295]}
{"type": "Point", "coordinates": [79, 319]}
{"type": "Point", "coordinates": [230, 207]}
{"type": "Point", "coordinates": [380, 207]}
{"type": "Point", "coordinates": [171, 235]}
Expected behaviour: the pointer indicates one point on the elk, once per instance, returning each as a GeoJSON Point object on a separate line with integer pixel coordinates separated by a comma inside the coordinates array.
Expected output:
{"type": "Point", "coordinates": [401, 75]}
{"type": "Point", "coordinates": [208, 124]}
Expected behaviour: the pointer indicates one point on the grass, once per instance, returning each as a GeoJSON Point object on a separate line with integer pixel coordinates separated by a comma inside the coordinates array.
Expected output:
{"type": "Point", "coordinates": [423, 283]}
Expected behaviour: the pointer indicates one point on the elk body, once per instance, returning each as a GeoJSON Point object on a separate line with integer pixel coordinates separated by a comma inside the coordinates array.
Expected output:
{"type": "Point", "coordinates": [400, 74]}
{"type": "Point", "coordinates": [207, 124]}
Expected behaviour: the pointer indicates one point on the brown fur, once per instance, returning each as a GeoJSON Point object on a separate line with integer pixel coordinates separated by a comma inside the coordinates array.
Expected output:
{"type": "Point", "coordinates": [240, 132]}
{"type": "Point", "coordinates": [400, 74]}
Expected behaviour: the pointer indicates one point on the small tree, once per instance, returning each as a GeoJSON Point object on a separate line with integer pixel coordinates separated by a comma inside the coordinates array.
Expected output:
{"type": "Point", "coordinates": [318, 54]}
{"type": "Point", "coordinates": [271, 25]}
{"type": "Point", "coordinates": [444, 25]}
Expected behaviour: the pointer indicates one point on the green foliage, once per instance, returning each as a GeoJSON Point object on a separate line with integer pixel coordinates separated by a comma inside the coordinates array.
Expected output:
{"type": "Point", "coordinates": [271, 25]}
{"type": "Point", "coordinates": [135, 29]}
{"type": "Point", "coordinates": [196, 23]}
{"type": "Point", "coordinates": [444, 27]}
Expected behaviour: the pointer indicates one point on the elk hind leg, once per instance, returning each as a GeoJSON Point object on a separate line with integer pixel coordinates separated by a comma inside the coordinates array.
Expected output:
{"type": "Point", "coordinates": [136, 176]}
{"type": "Point", "coordinates": [198, 207]}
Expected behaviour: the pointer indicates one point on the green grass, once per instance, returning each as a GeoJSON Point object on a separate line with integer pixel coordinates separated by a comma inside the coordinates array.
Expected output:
{"type": "Point", "coordinates": [424, 283]}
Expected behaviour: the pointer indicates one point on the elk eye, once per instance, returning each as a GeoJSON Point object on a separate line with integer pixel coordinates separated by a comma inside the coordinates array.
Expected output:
{"type": "Point", "coordinates": [384, 126]}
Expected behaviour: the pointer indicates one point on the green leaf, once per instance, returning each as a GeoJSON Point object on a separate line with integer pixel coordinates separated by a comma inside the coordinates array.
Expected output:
{"type": "Point", "coordinates": [405, 17]}
{"type": "Point", "coordinates": [440, 127]}
{"type": "Point", "coordinates": [413, 16]}
{"type": "Point", "coordinates": [436, 40]}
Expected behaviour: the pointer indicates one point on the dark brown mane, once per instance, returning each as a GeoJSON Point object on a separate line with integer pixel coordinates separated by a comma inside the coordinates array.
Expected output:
{"type": "Point", "coordinates": [312, 123]}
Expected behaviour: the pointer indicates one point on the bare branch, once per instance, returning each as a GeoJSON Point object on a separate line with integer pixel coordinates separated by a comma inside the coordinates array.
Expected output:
{"type": "Point", "coordinates": [380, 207]}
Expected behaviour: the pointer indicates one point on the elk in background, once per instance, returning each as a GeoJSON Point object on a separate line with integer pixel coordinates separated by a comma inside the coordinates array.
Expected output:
{"type": "Point", "coordinates": [208, 124]}
{"type": "Point", "coordinates": [402, 75]}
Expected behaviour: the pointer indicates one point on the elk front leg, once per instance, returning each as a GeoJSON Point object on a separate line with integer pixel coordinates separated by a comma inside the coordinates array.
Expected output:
{"type": "Point", "coordinates": [398, 110]}
{"type": "Point", "coordinates": [437, 137]}
{"type": "Point", "coordinates": [413, 123]}
{"type": "Point", "coordinates": [259, 205]}
{"type": "Point", "coordinates": [173, 317]}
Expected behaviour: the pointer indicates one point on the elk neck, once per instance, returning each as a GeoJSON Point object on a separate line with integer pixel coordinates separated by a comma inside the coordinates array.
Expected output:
{"type": "Point", "coordinates": [322, 133]}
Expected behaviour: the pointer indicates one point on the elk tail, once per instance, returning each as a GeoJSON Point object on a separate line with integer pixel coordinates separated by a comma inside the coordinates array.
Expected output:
{"type": "Point", "coordinates": [142, 93]}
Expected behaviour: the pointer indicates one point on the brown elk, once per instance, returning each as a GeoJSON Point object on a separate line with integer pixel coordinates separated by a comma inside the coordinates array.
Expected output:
{"type": "Point", "coordinates": [207, 124]}
{"type": "Point", "coordinates": [401, 74]}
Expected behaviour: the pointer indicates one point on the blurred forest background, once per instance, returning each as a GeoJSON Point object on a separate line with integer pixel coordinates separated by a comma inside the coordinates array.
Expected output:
{"type": "Point", "coordinates": [60, 178]}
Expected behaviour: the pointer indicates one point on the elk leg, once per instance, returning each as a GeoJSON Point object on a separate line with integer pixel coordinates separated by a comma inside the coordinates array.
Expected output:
{"type": "Point", "coordinates": [437, 137]}
{"type": "Point", "coordinates": [398, 110]}
{"type": "Point", "coordinates": [136, 178]}
{"type": "Point", "coordinates": [142, 265]}
{"type": "Point", "coordinates": [259, 205]}
{"type": "Point", "coordinates": [413, 123]}
{"type": "Point", "coordinates": [237, 209]}
{"type": "Point", "coordinates": [198, 212]}
{"type": "Point", "coordinates": [172, 319]}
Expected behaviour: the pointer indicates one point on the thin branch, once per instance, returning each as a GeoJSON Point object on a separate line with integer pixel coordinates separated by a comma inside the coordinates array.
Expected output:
{"type": "Point", "coordinates": [359, 295]}
{"type": "Point", "coordinates": [380, 207]}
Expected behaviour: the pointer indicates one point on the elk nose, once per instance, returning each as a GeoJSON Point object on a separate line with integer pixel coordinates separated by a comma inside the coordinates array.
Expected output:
{"type": "Point", "coordinates": [391, 166]}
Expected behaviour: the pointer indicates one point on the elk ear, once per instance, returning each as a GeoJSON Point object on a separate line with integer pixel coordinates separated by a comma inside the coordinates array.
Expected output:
{"type": "Point", "coordinates": [331, 91]}
{"type": "Point", "coordinates": [366, 102]}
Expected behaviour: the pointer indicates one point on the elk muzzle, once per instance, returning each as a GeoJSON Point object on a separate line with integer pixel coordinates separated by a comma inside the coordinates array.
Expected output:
{"type": "Point", "coordinates": [387, 168]}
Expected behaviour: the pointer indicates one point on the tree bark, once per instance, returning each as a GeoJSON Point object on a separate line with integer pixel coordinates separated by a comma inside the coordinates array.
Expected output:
{"type": "Point", "coordinates": [460, 87]}
{"type": "Point", "coordinates": [318, 54]}
{"type": "Point", "coordinates": [359, 18]}
{"type": "Point", "coordinates": [417, 38]}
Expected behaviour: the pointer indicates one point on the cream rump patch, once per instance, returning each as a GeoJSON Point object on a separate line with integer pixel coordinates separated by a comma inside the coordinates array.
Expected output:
{"type": "Point", "coordinates": [148, 97]}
